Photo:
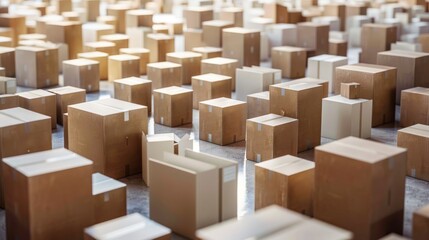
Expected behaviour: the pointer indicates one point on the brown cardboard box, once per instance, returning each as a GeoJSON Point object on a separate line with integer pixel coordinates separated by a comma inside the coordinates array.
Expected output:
{"type": "Point", "coordinates": [313, 36]}
{"type": "Point", "coordinates": [199, 184]}
{"type": "Point", "coordinates": [212, 32]}
{"type": "Point", "coordinates": [222, 66]}
{"type": "Point", "coordinates": [210, 86]}
{"type": "Point", "coordinates": [258, 104]}
{"type": "Point", "coordinates": [193, 38]}
{"type": "Point", "coordinates": [287, 181]}
{"type": "Point", "coordinates": [164, 74]}
{"type": "Point", "coordinates": [350, 90]}
{"type": "Point", "coordinates": [108, 132]}
{"type": "Point", "coordinates": [276, 11]}
{"type": "Point", "coordinates": [233, 14]}
{"type": "Point", "coordinates": [377, 170]}
{"type": "Point", "coordinates": [71, 16]}
{"type": "Point", "coordinates": [8, 101]}
{"type": "Point", "coordinates": [172, 106]}
{"type": "Point", "coordinates": [291, 60]}
{"type": "Point", "coordinates": [63, 6]}
{"type": "Point", "coordinates": [190, 62]}
{"type": "Point", "coordinates": [6, 42]}
{"type": "Point", "coordinates": [16, 22]}
{"type": "Point", "coordinates": [376, 38]}
{"type": "Point", "coordinates": [48, 180]}
{"type": "Point", "coordinates": [128, 227]}
{"type": "Point", "coordinates": [82, 73]}
{"type": "Point", "coordinates": [139, 18]}
{"type": "Point", "coordinates": [423, 39]}
{"type": "Point", "coordinates": [101, 58]}
{"type": "Point", "coordinates": [109, 197]}
{"type": "Point", "coordinates": [108, 19]}
{"type": "Point", "coordinates": [421, 223]}
{"type": "Point", "coordinates": [159, 45]}
{"type": "Point", "coordinates": [69, 33]}
{"type": "Point", "coordinates": [7, 85]}
{"type": "Point", "coordinates": [40, 101]}
{"type": "Point", "coordinates": [43, 20]}
{"type": "Point", "coordinates": [222, 121]}
{"type": "Point", "coordinates": [120, 40]}
{"type": "Point", "coordinates": [92, 32]}
{"type": "Point", "coordinates": [101, 46]}
{"type": "Point", "coordinates": [377, 83]}
{"type": "Point", "coordinates": [323, 83]}
{"type": "Point", "coordinates": [92, 9]}
{"type": "Point", "coordinates": [135, 90]}
{"type": "Point", "coordinates": [123, 66]}
{"type": "Point", "coordinates": [302, 101]}
{"type": "Point", "coordinates": [415, 139]}
{"type": "Point", "coordinates": [355, 9]}
{"type": "Point", "coordinates": [142, 53]}
{"type": "Point", "coordinates": [338, 47]}
{"type": "Point", "coordinates": [66, 130]}
{"type": "Point", "coordinates": [36, 67]}
{"type": "Point", "coordinates": [242, 44]}
{"type": "Point", "coordinates": [271, 136]}
{"type": "Point", "coordinates": [7, 60]}
{"type": "Point", "coordinates": [208, 52]}
{"type": "Point", "coordinates": [337, 10]}
{"type": "Point", "coordinates": [414, 106]}
{"type": "Point", "coordinates": [195, 16]}
{"type": "Point", "coordinates": [66, 96]}
{"type": "Point", "coordinates": [411, 69]}
{"type": "Point", "coordinates": [119, 11]}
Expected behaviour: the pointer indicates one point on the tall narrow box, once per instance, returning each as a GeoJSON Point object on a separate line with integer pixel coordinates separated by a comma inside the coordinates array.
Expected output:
{"type": "Point", "coordinates": [164, 74]}
{"type": "Point", "coordinates": [82, 73]}
{"type": "Point", "coordinates": [172, 106]}
{"type": "Point", "coordinates": [66, 96]}
{"type": "Point", "coordinates": [222, 66]}
{"type": "Point", "coordinates": [210, 86]}
{"type": "Point", "coordinates": [123, 66]}
{"type": "Point", "coordinates": [258, 104]}
{"type": "Point", "coordinates": [135, 90]}
{"type": "Point", "coordinates": [376, 38]}
{"type": "Point", "coordinates": [313, 36]}
{"type": "Point", "coordinates": [9, 101]}
{"type": "Point", "coordinates": [291, 60]}
{"type": "Point", "coordinates": [159, 45]}
{"type": "Point", "coordinates": [40, 101]}
{"type": "Point", "coordinates": [190, 62]}
{"type": "Point", "coordinates": [242, 44]}
{"type": "Point", "coordinates": [414, 106]}
{"type": "Point", "coordinates": [323, 67]}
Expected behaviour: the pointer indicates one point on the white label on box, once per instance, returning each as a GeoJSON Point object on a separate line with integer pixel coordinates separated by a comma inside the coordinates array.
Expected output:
{"type": "Point", "coordinates": [43, 100]}
{"type": "Point", "coordinates": [229, 174]}
{"type": "Point", "coordinates": [258, 157]}
{"type": "Point", "coordinates": [89, 67]}
{"type": "Point", "coordinates": [283, 91]}
{"type": "Point", "coordinates": [106, 197]}
{"type": "Point", "coordinates": [122, 86]}
{"type": "Point", "coordinates": [162, 120]}
{"type": "Point", "coordinates": [210, 137]}
{"type": "Point", "coordinates": [201, 83]}
{"type": "Point", "coordinates": [210, 109]}
{"type": "Point", "coordinates": [126, 116]}
{"type": "Point", "coordinates": [259, 127]}
{"type": "Point", "coordinates": [413, 172]}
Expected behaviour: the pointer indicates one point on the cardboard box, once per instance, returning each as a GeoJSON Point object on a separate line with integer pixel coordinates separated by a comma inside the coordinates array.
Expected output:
{"type": "Point", "coordinates": [82, 73]}
{"type": "Point", "coordinates": [414, 108]}
{"type": "Point", "coordinates": [199, 184]}
{"type": "Point", "coordinates": [251, 80]}
{"type": "Point", "coordinates": [242, 44]}
{"type": "Point", "coordinates": [66, 32]}
{"type": "Point", "coordinates": [338, 47]}
{"type": "Point", "coordinates": [275, 74]}
{"type": "Point", "coordinates": [333, 22]}
{"type": "Point", "coordinates": [258, 104]}
{"type": "Point", "coordinates": [193, 39]}
{"type": "Point", "coordinates": [286, 181]}
{"type": "Point", "coordinates": [350, 90]}
{"type": "Point", "coordinates": [123, 66]}
{"type": "Point", "coordinates": [139, 18]}
{"type": "Point", "coordinates": [212, 32]}
{"type": "Point", "coordinates": [119, 11]}
{"type": "Point", "coordinates": [108, 132]}
{"type": "Point", "coordinates": [101, 58]}
{"type": "Point", "coordinates": [66, 130]}
{"type": "Point", "coordinates": [63, 6]}
{"type": "Point", "coordinates": [6, 42]}
{"type": "Point", "coordinates": [92, 9]}
{"type": "Point", "coordinates": [270, 136]}
{"type": "Point", "coordinates": [7, 85]}
{"type": "Point", "coordinates": [142, 53]}
{"type": "Point", "coordinates": [377, 83]}
{"type": "Point", "coordinates": [58, 175]}
{"type": "Point", "coordinates": [421, 223]}
{"type": "Point", "coordinates": [323, 83]}
{"type": "Point", "coordinates": [66, 96]}
{"type": "Point", "coordinates": [36, 67]}
{"type": "Point", "coordinates": [291, 60]}
{"type": "Point", "coordinates": [40, 101]}
{"type": "Point", "coordinates": [208, 52]}
{"type": "Point", "coordinates": [233, 14]}
{"type": "Point", "coordinates": [120, 40]}
{"type": "Point", "coordinates": [191, 64]}
{"type": "Point", "coordinates": [210, 86]}
{"type": "Point", "coordinates": [160, 28]}
{"type": "Point", "coordinates": [135, 225]}
{"type": "Point", "coordinates": [172, 106]}
{"type": "Point", "coordinates": [159, 45]}
{"type": "Point", "coordinates": [7, 60]}
{"type": "Point", "coordinates": [405, 46]}
{"type": "Point", "coordinates": [92, 32]}
{"type": "Point", "coordinates": [138, 36]}
{"type": "Point", "coordinates": [343, 117]}
{"type": "Point", "coordinates": [16, 22]}
{"type": "Point", "coordinates": [376, 38]}
{"type": "Point", "coordinates": [101, 46]}
{"type": "Point", "coordinates": [109, 197]}
{"type": "Point", "coordinates": [195, 16]}
{"type": "Point", "coordinates": [411, 69]}
{"type": "Point", "coordinates": [276, 11]}
{"type": "Point", "coordinates": [337, 10]}
{"type": "Point", "coordinates": [222, 121]}
{"type": "Point", "coordinates": [323, 67]}
{"type": "Point", "coordinates": [164, 74]}
{"type": "Point", "coordinates": [8, 101]}
{"type": "Point", "coordinates": [336, 198]}
{"type": "Point", "coordinates": [302, 101]}
{"type": "Point", "coordinates": [222, 66]}
{"type": "Point", "coordinates": [135, 90]}
{"type": "Point", "coordinates": [313, 36]}
{"type": "Point", "coordinates": [282, 35]}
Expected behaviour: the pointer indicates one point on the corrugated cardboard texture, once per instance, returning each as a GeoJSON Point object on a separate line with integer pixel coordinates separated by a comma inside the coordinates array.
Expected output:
{"type": "Point", "coordinates": [67, 96]}
{"type": "Point", "coordinates": [291, 60]}
{"type": "Point", "coordinates": [242, 44]}
{"type": "Point", "coordinates": [164, 74]}
{"type": "Point", "coordinates": [210, 86]}
{"type": "Point", "coordinates": [191, 64]}
{"type": "Point", "coordinates": [82, 73]}
{"type": "Point", "coordinates": [258, 104]}
{"type": "Point", "coordinates": [172, 106]}
{"type": "Point", "coordinates": [135, 90]}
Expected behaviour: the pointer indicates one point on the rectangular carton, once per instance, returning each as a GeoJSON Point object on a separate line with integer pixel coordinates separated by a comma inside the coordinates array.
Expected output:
{"type": "Point", "coordinates": [258, 104]}
{"type": "Point", "coordinates": [210, 86]}
{"type": "Point", "coordinates": [191, 64]}
{"type": "Point", "coordinates": [135, 90]}
{"type": "Point", "coordinates": [350, 90]}
{"type": "Point", "coordinates": [164, 74]}
{"type": "Point", "coordinates": [82, 73]}
{"type": "Point", "coordinates": [291, 60]}
{"type": "Point", "coordinates": [40, 101]}
{"type": "Point", "coordinates": [249, 80]}
{"type": "Point", "coordinates": [8, 101]}
{"type": "Point", "coordinates": [410, 114]}
{"type": "Point", "coordinates": [242, 44]}
{"type": "Point", "coordinates": [67, 96]}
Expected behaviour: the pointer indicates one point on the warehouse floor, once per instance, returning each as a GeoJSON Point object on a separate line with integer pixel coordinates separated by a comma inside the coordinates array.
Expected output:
{"type": "Point", "coordinates": [417, 192]}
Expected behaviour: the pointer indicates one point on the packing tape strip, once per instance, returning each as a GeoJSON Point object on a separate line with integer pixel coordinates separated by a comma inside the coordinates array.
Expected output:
{"type": "Point", "coordinates": [106, 197]}
{"type": "Point", "coordinates": [126, 116]}
{"type": "Point", "coordinates": [209, 137]}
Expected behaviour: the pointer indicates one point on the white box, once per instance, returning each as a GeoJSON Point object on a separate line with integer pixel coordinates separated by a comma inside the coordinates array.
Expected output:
{"type": "Point", "coordinates": [357, 21]}
{"type": "Point", "coordinates": [332, 21]}
{"type": "Point", "coordinates": [327, 69]}
{"type": "Point", "coordinates": [410, 38]}
{"type": "Point", "coordinates": [265, 47]}
{"type": "Point", "coordinates": [342, 117]}
{"type": "Point", "coordinates": [276, 73]}
{"type": "Point", "coordinates": [376, 13]}
{"type": "Point", "coordinates": [137, 36]}
{"type": "Point", "coordinates": [416, 28]}
{"type": "Point", "coordinates": [248, 81]}
{"type": "Point", "coordinates": [337, 35]}
{"type": "Point", "coordinates": [313, 65]}
{"type": "Point", "coordinates": [282, 34]}
{"type": "Point", "coordinates": [404, 46]}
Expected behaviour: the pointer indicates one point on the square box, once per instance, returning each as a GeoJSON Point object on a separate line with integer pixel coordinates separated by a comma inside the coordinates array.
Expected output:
{"type": "Point", "coordinates": [101, 46]}
{"type": "Point", "coordinates": [191, 64]}
{"type": "Point", "coordinates": [232, 14]}
{"type": "Point", "coordinates": [258, 104]}
{"type": "Point", "coordinates": [142, 53]}
{"type": "Point", "coordinates": [350, 90]}
{"type": "Point", "coordinates": [120, 40]}
{"type": "Point", "coordinates": [172, 106]}
{"type": "Point", "coordinates": [291, 60]}
{"type": "Point", "coordinates": [282, 34]}
{"type": "Point", "coordinates": [123, 66]}
{"type": "Point", "coordinates": [420, 223]}
{"type": "Point", "coordinates": [222, 121]}
{"type": "Point", "coordinates": [276, 11]}
{"type": "Point", "coordinates": [242, 44]}
{"type": "Point", "coordinates": [212, 32]}
{"type": "Point", "coordinates": [66, 96]}
{"type": "Point", "coordinates": [164, 74]}
{"type": "Point", "coordinates": [414, 107]}
{"type": "Point", "coordinates": [323, 67]}
{"type": "Point", "coordinates": [195, 16]}
{"type": "Point", "coordinates": [16, 22]}
{"type": "Point", "coordinates": [119, 11]}
{"type": "Point", "coordinates": [378, 173]}
{"type": "Point", "coordinates": [313, 36]}
{"type": "Point", "coordinates": [286, 181]}
{"type": "Point", "coordinates": [68, 32]}
{"type": "Point", "coordinates": [338, 47]}
{"type": "Point", "coordinates": [271, 136]}
{"type": "Point", "coordinates": [92, 32]}
{"type": "Point", "coordinates": [376, 38]}
{"type": "Point", "coordinates": [159, 45]}
{"type": "Point", "coordinates": [210, 86]}
{"type": "Point", "coordinates": [221, 66]}
{"type": "Point", "coordinates": [135, 90]}
{"type": "Point", "coordinates": [7, 60]}
{"type": "Point", "coordinates": [92, 9]}
{"type": "Point", "coordinates": [139, 18]}
{"type": "Point", "coordinates": [251, 80]}
{"type": "Point", "coordinates": [40, 101]}
{"type": "Point", "coordinates": [7, 85]}
{"type": "Point", "coordinates": [8, 101]}
{"type": "Point", "coordinates": [82, 73]}
{"type": "Point", "coordinates": [208, 52]}
{"type": "Point", "coordinates": [101, 58]}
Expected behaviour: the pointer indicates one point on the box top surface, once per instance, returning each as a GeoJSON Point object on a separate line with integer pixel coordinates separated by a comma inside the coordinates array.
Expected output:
{"type": "Point", "coordinates": [132, 81]}
{"type": "Point", "coordinates": [100, 44]}
{"type": "Point", "coordinates": [282, 26]}
{"type": "Point", "coordinates": [403, 53]}
{"type": "Point", "coordinates": [417, 129]}
{"type": "Point", "coordinates": [363, 67]}
{"type": "Point", "coordinates": [164, 65]}
{"type": "Point", "coordinates": [35, 94]}
{"type": "Point", "coordinates": [321, 57]}
{"type": "Point", "coordinates": [206, 49]}
{"type": "Point", "coordinates": [344, 100]}
{"type": "Point", "coordinates": [232, 9]}
{"type": "Point", "coordinates": [361, 149]}
{"type": "Point", "coordinates": [159, 36]}
{"type": "Point", "coordinates": [417, 90]}
{"type": "Point", "coordinates": [394, 236]}
{"type": "Point", "coordinates": [93, 55]}
{"type": "Point", "coordinates": [377, 25]}
{"type": "Point", "coordinates": [272, 120]}
{"type": "Point", "coordinates": [6, 79]}
{"type": "Point", "coordinates": [263, 69]}
{"type": "Point", "coordinates": [134, 50]}
{"type": "Point", "coordinates": [50, 18]}
{"type": "Point", "coordinates": [140, 12]}
{"type": "Point", "coordinates": [118, 6]}
{"type": "Point", "coordinates": [223, 102]}
{"type": "Point", "coordinates": [287, 165]}
{"type": "Point", "coordinates": [333, 40]}
{"type": "Point", "coordinates": [289, 49]}
{"type": "Point", "coordinates": [97, 26]}
{"type": "Point", "coordinates": [218, 23]}
{"type": "Point", "coordinates": [240, 30]}
{"type": "Point", "coordinates": [211, 159]}
{"type": "Point", "coordinates": [219, 60]}
{"type": "Point", "coordinates": [6, 49]}
{"type": "Point", "coordinates": [8, 96]}
{"type": "Point", "coordinates": [262, 95]}
{"type": "Point", "coordinates": [39, 163]}
{"type": "Point", "coordinates": [66, 90]}
{"type": "Point", "coordinates": [114, 37]}
{"type": "Point", "coordinates": [30, 49]}
{"type": "Point", "coordinates": [184, 54]}
{"type": "Point", "coordinates": [301, 86]}
{"type": "Point", "coordinates": [173, 90]}
{"type": "Point", "coordinates": [124, 57]}
{"type": "Point", "coordinates": [14, 116]}
{"type": "Point", "coordinates": [262, 20]}
{"type": "Point", "coordinates": [102, 184]}
{"type": "Point", "coordinates": [63, 23]}
{"type": "Point", "coordinates": [108, 106]}
{"type": "Point", "coordinates": [199, 9]}
{"type": "Point", "coordinates": [80, 62]}
{"type": "Point", "coordinates": [161, 137]}
{"type": "Point", "coordinates": [184, 164]}
{"type": "Point", "coordinates": [212, 77]}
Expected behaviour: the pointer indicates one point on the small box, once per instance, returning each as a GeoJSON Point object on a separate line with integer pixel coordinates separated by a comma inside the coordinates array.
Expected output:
{"type": "Point", "coordinates": [191, 64]}
{"type": "Point", "coordinates": [350, 90]}
{"type": "Point", "coordinates": [7, 85]}
{"type": "Point", "coordinates": [58, 175]}
{"type": "Point", "coordinates": [92, 32]}
{"type": "Point", "coordinates": [421, 223]}
{"type": "Point", "coordinates": [291, 60]}
{"type": "Point", "coordinates": [66, 32]}
{"type": "Point", "coordinates": [394, 236]}
{"type": "Point", "coordinates": [82, 73]}
{"type": "Point", "coordinates": [142, 53]}
{"type": "Point", "coordinates": [271, 136]}
{"type": "Point", "coordinates": [210, 86]}
{"type": "Point", "coordinates": [119, 11]}
{"type": "Point", "coordinates": [164, 74]}
{"type": "Point", "coordinates": [123, 66]}
{"type": "Point", "coordinates": [212, 32]}
{"type": "Point", "coordinates": [109, 197]}
{"type": "Point", "coordinates": [282, 34]}
{"type": "Point", "coordinates": [138, 36]}
{"type": "Point", "coordinates": [208, 52]}
{"type": "Point", "coordinates": [195, 16]}
{"type": "Point", "coordinates": [323, 83]}
{"type": "Point", "coordinates": [159, 45]}
{"type": "Point", "coordinates": [221, 66]}
{"type": "Point", "coordinates": [66, 96]}
{"type": "Point", "coordinates": [222, 121]}
{"type": "Point", "coordinates": [343, 117]}
{"type": "Point", "coordinates": [139, 18]}
{"type": "Point", "coordinates": [135, 90]}
{"type": "Point", "coordinates": [251, 80]}
{"type": "Point", "coordinates": [120, 40]}
{"type": "Point", "coordinates": [376, 38]}
{"type": "Point", "coordinates": [7, 60]}
{"type": "Point", "coordinates": [145, 229]}
{"type": "Point", "coordinates": [40, 101]}
{"type": "Point", "coordinates": [232, 14]}
{"type": "Point", "coordinates": [313, 36]}
{"type": "Point", "coordinates": [286, 181]}
{"type": "Point", "coordinates": [193, 38]}
{"type": "Point", "coordinates": [16, 22]}
{"type": "Point", "coordinates": [258, 104]}
{"type": "Point", "coordinates": [242, 44]}
{"type": "Point", "coordinates": [8, 101]}
{"type": "Point", "coordinates": [101, 46]}
{"type": "Point", "coordinates": [338, 47]}
{"type": "Point", "coordinates": [414, 107]}
{"type": "Point", "coordinates": [172, 106]}
{"type": "Point", "coordinates": [101, 58]}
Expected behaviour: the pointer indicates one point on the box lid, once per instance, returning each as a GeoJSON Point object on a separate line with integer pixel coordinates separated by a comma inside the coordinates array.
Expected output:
{"type": "Point", "coordinates": [20, 115]}
{"type": "Point", "coordinates": [30, 49]}
{"type": "Point", "coordinates": [393, 236]}
{"type": "Point", "coordinates": [97, 26]}
{"type": "Point", "coordinates": [93, 54]}
{"type": "Point", "coordinates": [102, 184]}
{"type": "Point", "coordinates": [217, 23]}
{"type": "Point", "coordinates": [211, 159]}
{"type": "Point", "coordinates": [206, 49]}
{"type": "Point", "coordinates": [261, 95]}
{"type": "Point", "coordinates": [219, 60]}
{"type": "Point", "coordinates": [272, 119]}
{"type": "Point", "coordinates": [134, 50]}
{"type": "Point", "coordinates": [212, 77]}
{"type": "Point", "coordinates": [184, 164]}
{"type": "Point", "coordinates": [124, 57]}
{"type": "Point", "coordinates": [184, 54]}
{"type": "Point", "coordinates": [6, 49]}
{"type": "Point", "coordinates": [66, 90]}
{"type": "Point", "coordinates": [417, 129]}
{"type": "Point", "coordinates": [35, 94]}
{"type": "Point", "coordinates": [140, 12]}
{"type": "Point", "coordinates": [164, 65]}
{"type": "Point", "coordinates": [114, 37]}
{"type": "Point", "coordinates": [363, 67]}
{"type": "Point", "coordinates": [287, 165]}
{"type": "Point", "coordinates": [161, 137]}
{"type": "Point", "coordinates": [417, 90]}
{"type": "Point", "coordinates": [132, 81]}
{"type": "Point", "coordinates": [80, 62]}
{"type": "Point", "coordinates": [222, 102]}
{"type": "Point", "coordinates": [344, 100]}
{"type": "Point", "coordinates": [173, 90]}
{"type": "Point", "coordinates": [159, 36]}
{"type": "Point", "coordinates": [289, 49]}
{"type": "Point", "coordinates": [403, 53]}
{"type": "Point", "coordinates": [107, 106]}
{"type": "Point", "coordinates": [240, 30]}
